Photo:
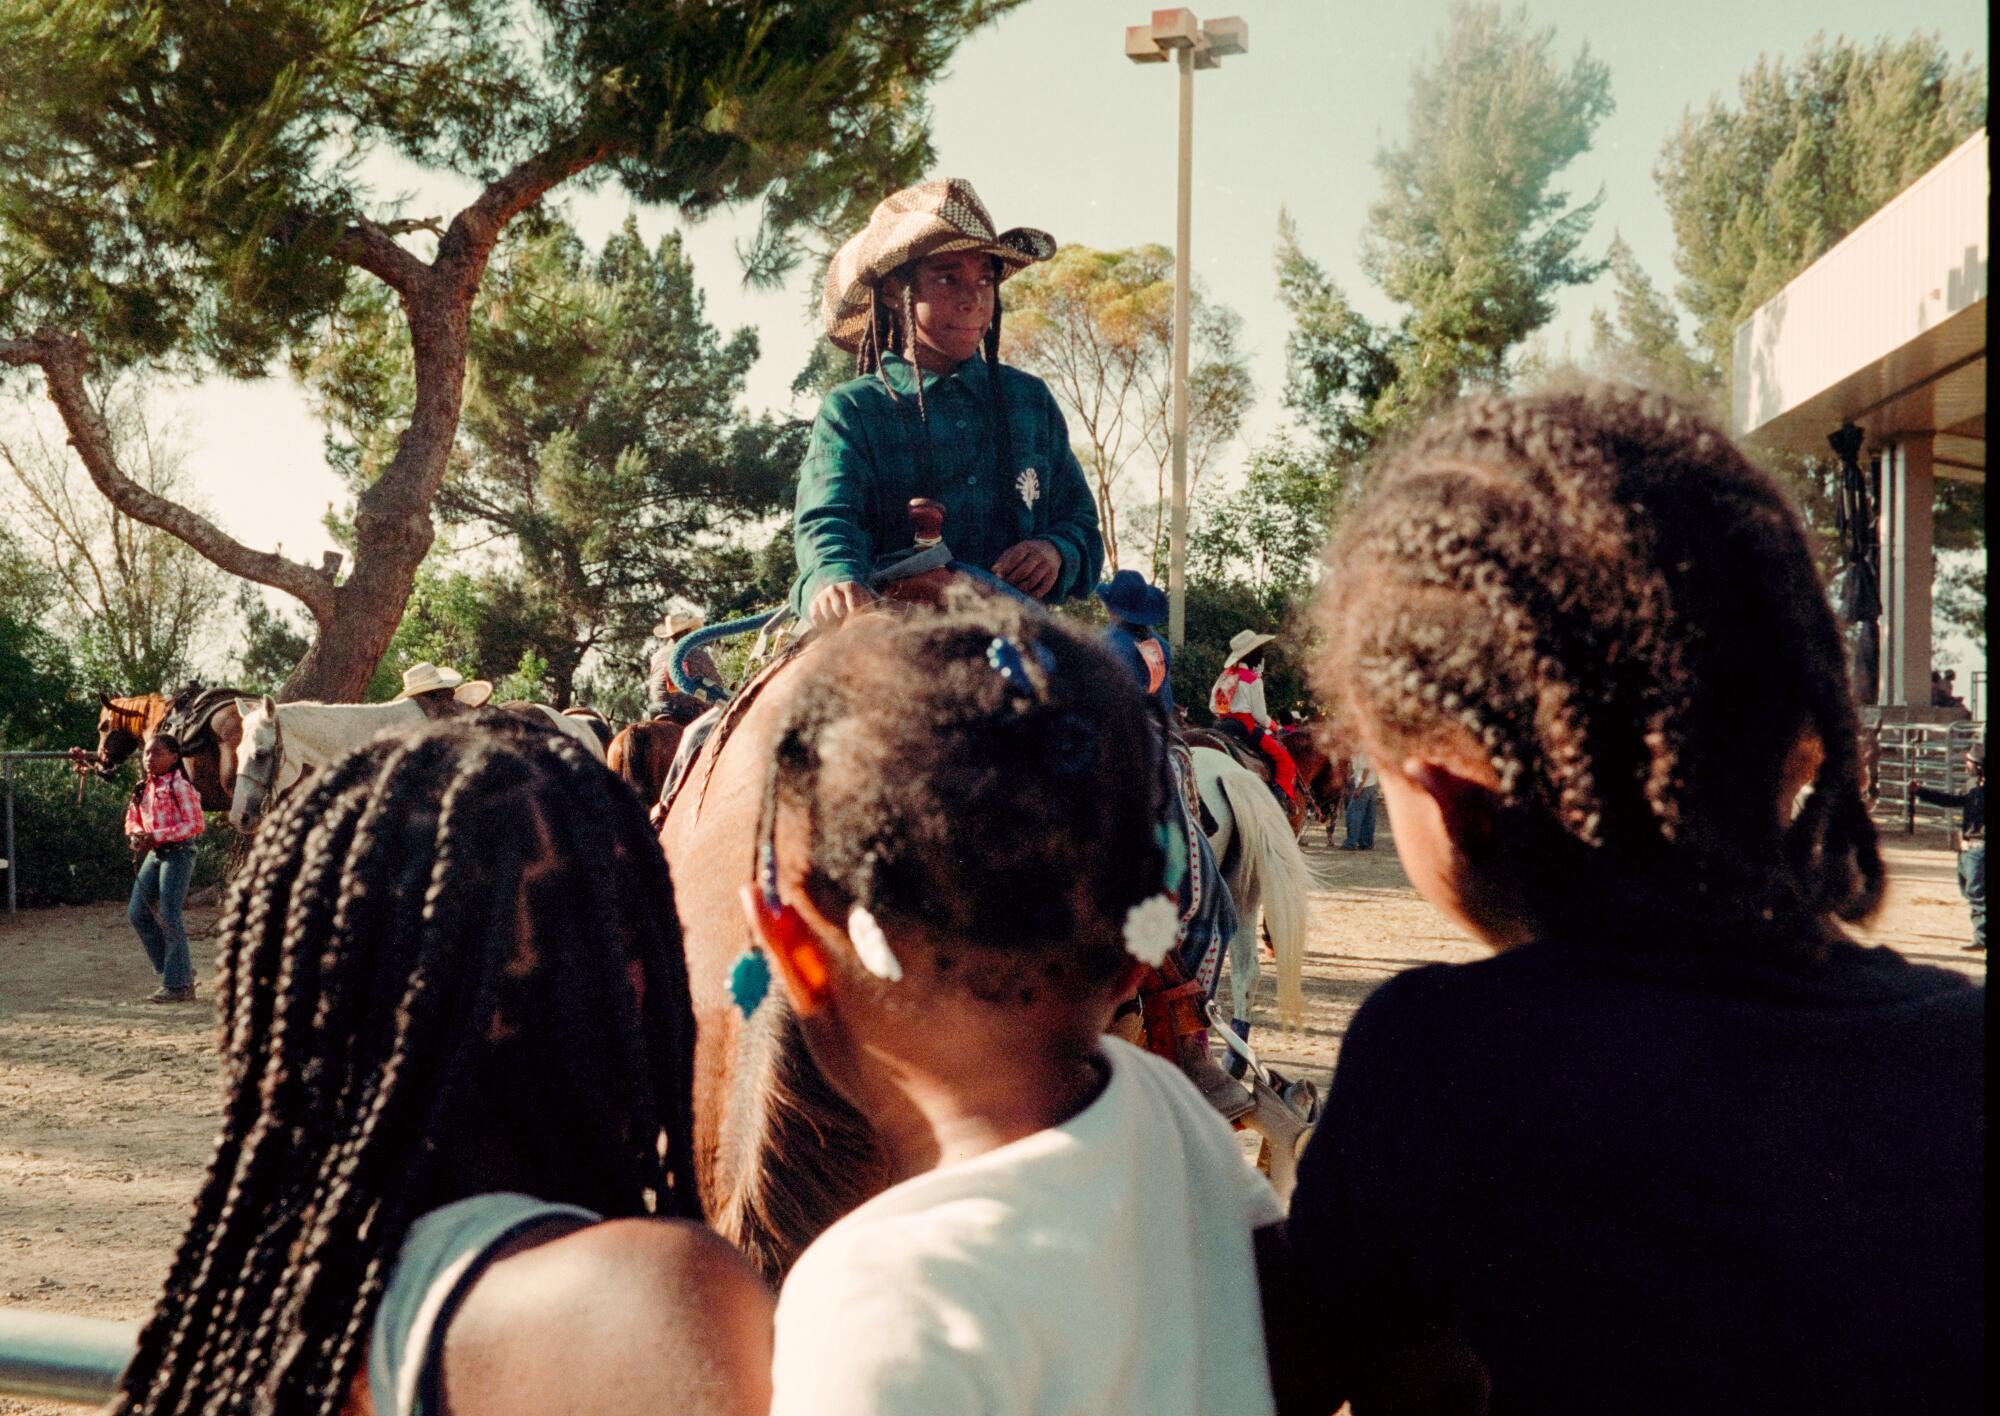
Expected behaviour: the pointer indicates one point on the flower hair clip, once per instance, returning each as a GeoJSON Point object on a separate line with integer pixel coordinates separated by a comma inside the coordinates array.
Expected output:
{"type": "Point", "coordinates": [1152, 927]}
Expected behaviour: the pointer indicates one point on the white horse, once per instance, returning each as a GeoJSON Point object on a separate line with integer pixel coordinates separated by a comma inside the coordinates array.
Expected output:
{"type": "Point", "coordinates": [284, 741]}
{"type": "Point", "coordinates": [1261, 861]}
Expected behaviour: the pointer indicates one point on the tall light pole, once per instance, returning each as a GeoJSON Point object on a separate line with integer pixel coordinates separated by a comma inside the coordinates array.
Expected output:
{"type": "Point", "coordinates": [1193, 45]}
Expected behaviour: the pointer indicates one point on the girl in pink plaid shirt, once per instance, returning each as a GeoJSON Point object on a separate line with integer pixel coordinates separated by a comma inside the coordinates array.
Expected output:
{"type": "Point", "coordinates": [162, 820]}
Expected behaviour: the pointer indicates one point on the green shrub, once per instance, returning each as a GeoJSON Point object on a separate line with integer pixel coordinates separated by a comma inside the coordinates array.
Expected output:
{"type": "Point", "coordinates": [73, 853]}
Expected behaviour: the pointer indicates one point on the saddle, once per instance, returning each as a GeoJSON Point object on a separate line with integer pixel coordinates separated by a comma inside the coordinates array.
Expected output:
{"type": "Point", "coordinates": [191, 713]}
{"type": "Point", "coordinates": [678, 707]}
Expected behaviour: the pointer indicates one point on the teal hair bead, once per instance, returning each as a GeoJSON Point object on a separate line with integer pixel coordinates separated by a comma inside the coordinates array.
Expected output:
{"type": "Point", "coordinates": [749, 980]}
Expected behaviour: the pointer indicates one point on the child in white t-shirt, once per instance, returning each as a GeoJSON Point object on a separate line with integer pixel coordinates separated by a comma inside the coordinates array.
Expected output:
{"type": "Point", "coordinates": [968, 859]}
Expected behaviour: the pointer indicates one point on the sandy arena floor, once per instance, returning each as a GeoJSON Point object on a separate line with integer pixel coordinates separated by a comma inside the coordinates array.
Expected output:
{"type": "Point", "coordinates": [107, 1105]}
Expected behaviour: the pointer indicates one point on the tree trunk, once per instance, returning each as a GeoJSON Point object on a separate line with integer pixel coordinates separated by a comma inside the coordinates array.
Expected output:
{"type": "Point", "coordinates": [393, 531]}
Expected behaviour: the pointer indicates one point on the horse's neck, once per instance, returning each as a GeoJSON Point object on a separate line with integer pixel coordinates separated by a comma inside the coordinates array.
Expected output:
{"type": "Point", "coordinates": [316, 733]}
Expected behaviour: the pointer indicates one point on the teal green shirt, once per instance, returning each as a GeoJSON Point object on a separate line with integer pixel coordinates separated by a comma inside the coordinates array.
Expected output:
{"type": "Point", "coordinates": [865, 463]}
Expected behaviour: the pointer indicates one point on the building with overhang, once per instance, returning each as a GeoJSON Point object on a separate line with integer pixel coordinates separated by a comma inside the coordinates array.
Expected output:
{"type": "Point", "coordinates": [1886, 331]}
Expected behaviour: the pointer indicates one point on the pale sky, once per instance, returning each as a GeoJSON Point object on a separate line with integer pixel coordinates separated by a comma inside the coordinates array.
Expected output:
{"type": "Point", "coordinates": [1056, 129]}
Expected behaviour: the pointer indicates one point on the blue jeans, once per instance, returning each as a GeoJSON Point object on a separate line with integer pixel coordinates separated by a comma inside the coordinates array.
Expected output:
{"type": "Point", "coordinates": [1972, 885]}
{"type": "Point", "coordinates": [155, 912]}
{"type": "Point", "coordinates": [1361, 820]}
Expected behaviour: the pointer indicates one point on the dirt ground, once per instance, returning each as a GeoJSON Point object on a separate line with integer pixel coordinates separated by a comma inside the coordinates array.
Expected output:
{"type": "Point", "coordinates": [108, 1104]}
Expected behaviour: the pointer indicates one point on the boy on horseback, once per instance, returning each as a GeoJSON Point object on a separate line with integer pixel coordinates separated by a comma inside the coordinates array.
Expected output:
{"type": "Point", "coordinates": [915, 297]}
{"type": "Point", "coordinates": [1237, 700]}
{"type": "Point", "coordinates": [1136, 610]}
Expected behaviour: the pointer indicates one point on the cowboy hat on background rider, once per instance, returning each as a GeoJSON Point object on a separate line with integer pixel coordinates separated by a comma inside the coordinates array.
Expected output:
{"type": "Point", "coordinates": [662, 697]}
{"type": "Point", "coordinates": [915, 297]}
{"type": "Point", "coordinates": [1238, 699]}
{"type": "Point", "coordinates": [442, 693]}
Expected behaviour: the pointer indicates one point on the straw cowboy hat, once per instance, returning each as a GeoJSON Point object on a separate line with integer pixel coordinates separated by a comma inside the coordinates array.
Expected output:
{"type": "Point", "coordinates": [930, 219]}
{"type": "Point", "coordinates": [1128, 596]}
{"type": "Point", "coordinates": [426, 677]}
{"type": "Point", "coordinates": [674, 624]}
{"type": "Point", "coordinates": [1244, 642]}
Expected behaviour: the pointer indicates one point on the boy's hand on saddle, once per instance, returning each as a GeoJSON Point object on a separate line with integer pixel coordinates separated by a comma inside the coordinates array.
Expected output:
{"type": "Point", "coordinates": [1030, 567]}
{"type": "Point", "coordinates": [836, 602]}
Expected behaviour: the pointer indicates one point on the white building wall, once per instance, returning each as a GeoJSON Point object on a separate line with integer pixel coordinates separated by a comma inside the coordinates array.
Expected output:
{"type": "Point", "coordinates": [1906, 270]}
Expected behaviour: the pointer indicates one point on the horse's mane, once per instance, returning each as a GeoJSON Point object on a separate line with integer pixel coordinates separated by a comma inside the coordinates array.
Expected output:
{"type": "Point", "coordinates": [794, 1155]}
{"type": "Point", "coordinates": [148, 708]}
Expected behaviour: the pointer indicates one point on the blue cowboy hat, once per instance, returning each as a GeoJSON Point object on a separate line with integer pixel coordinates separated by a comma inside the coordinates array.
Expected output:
{"type": "Point", "coordinates": [1130, 598]}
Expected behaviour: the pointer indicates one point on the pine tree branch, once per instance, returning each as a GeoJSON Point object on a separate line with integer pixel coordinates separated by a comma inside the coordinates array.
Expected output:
{"type": "Point", "coordinates": [472, 234]}
{"type": "Point", "coordinates": [371, 246]}
{"type": "Point", "coordinates": [62, 357]}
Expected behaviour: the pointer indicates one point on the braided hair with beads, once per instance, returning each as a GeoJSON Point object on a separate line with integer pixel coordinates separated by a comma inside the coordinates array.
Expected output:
{"type": "Point", "coordinates": [892, 327]}
{"type": "Point", "coordinates": [1593, 592]}
{"type": "Point", "coordinates": [1008, 817]}
{"type": "Point", "coordinates": [449, 965]}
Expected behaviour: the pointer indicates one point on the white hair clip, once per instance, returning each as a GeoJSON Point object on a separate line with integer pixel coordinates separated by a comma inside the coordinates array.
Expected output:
{"type": "Point", "coordinates": [871, 946]}
{"type": "Point", "coordinates": [1151, 928]}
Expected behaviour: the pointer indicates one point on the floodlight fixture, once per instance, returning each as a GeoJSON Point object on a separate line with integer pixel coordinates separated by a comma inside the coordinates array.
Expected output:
{"type": "Point", "coordinates": [1226, 37]}
{"type": "Point", "coordinates": [1175, 29]}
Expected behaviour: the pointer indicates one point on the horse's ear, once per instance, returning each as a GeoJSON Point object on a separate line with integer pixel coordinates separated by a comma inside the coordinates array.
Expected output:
{"type": "Point", "coordinates": [245, 707]}
{"type": "Point", "coordinates": [270, 705]}
{"type": "Point", "coordinates": [103, 698]}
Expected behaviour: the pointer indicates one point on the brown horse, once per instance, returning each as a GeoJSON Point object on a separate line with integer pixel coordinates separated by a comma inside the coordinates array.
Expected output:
{"type": "Point", "coordinates": [641, 753]}
{"type": "Point", "coordinates": [122, 726]}
{"type": "Point", "coordinates": [1324, 777]}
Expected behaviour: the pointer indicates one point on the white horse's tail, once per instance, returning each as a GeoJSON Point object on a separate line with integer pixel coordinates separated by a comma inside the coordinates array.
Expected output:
{"type": "Point", "coordinates": [1273, 852]}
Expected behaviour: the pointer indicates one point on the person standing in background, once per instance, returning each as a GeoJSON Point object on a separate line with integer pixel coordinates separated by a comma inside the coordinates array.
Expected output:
{"type": "Point", "coordinates": [1361, 806]}
{"type": "Point", "coordinates": [162, 820]}
{"type": "Point", "coordinates": [1971, 838]}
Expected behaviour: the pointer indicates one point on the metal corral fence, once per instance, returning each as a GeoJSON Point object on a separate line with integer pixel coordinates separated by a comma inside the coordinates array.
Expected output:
{"type": "Point", "coordinates": [7, 761]}
{"type": "Point", "coordinates": [61, 1358]}
{"type": "Point", "coordinates": [1923, 755]}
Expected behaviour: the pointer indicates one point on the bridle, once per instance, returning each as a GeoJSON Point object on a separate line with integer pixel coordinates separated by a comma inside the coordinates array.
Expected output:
{"type": "Point", "coordinates": [262, 780]}
{"type": "Point", "coordinates": [131, 722]}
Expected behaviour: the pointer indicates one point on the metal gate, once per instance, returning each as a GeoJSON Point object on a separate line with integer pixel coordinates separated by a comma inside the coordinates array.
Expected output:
{"type": "Point", "coordinates": [1923, 755]}
{"type": "Point", "coordinates": [7, 761]}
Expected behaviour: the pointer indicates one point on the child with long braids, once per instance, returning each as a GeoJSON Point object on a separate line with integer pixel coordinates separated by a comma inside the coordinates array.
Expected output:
{"type": "Point", "coordinates": [968, 857]}
{"type": "Point", "coordinates": [162, 821]}
{"type": "Point", "coordinates": [1682, 1144]}
{"type": "Point", "coordinates": [454, 1171]}
{"type": "Point", "coordinates": [915, 297]}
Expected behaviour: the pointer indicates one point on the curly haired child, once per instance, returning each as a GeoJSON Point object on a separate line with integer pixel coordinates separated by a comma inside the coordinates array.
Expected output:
{"type": "Point", "coordinates": [968, 858]}
{"type": "Point", "coordinates": [454, 1154]}
{"type": "Point", "coordinates": [1682, 1144]}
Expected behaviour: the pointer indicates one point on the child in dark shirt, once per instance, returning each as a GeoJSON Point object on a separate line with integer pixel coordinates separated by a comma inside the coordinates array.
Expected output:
{"type": "Point", "coordinates": [1681, 1145]}
{"type": "Point", "coordinates": [1971, 804]}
